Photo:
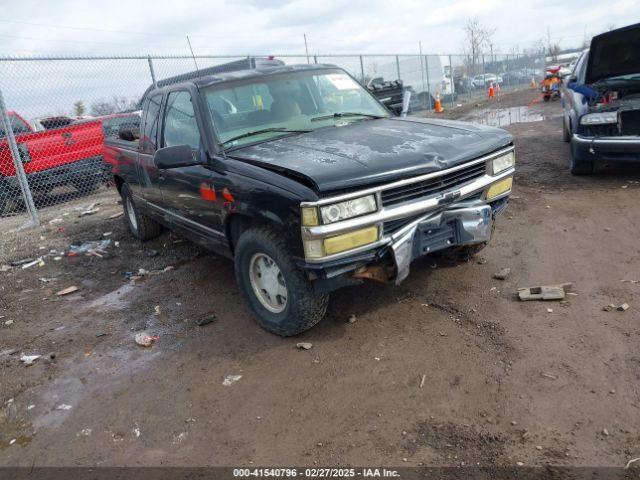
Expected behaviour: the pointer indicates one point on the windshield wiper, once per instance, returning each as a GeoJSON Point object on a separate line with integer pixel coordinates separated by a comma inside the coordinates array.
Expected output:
{"type": "Point", "coordinates": [346, 114]}
{"type": "Point", "coordinates": [263, 130]}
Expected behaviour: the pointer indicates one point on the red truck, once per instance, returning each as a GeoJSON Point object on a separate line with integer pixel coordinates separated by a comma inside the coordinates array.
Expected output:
{"type": "Point", "coordinates": [71, 155]}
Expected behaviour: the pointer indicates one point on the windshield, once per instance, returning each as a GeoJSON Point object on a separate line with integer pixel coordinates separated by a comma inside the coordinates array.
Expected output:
{"type": "Point", "coordinates": [17, 125]}
{"type": "Point", "coordinates": [268, 107]}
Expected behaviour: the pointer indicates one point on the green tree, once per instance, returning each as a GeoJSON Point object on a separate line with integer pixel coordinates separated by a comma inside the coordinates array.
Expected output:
{"type": "Point", "coordinates": [79, 108]}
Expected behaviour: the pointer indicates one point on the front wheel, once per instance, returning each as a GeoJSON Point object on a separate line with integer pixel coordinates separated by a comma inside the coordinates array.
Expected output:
{"type": "Point", "coordinates": [277, 292]}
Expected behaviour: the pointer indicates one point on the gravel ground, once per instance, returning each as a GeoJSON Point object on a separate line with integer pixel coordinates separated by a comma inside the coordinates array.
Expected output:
{"type": "Point", "coordinates": [447, 369]}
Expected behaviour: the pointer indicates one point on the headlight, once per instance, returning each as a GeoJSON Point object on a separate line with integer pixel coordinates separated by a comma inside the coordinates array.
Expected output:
{"type": "Point", "coordinates": [599, 118]}
{"type": "Point", "coordinates": [502, 163]}
{"type": "Point", "coordinates": [348, 209]}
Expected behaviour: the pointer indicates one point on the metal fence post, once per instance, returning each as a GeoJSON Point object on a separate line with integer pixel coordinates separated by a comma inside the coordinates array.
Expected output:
{"type": "Point", "coordinates": [362, 69]}
{"type": "Point", "coordinates": [315, 59]}
{"type": "Point", "coordinates": [17, 161]}
{"type": "Point", "coordinates": [153, 73]}
{"type": "Point", "coordinates": [398, 67]}
{"type": "Point", "coordinates": [453, 83]}
{"type": "Point", "coordinates": [426, 67]}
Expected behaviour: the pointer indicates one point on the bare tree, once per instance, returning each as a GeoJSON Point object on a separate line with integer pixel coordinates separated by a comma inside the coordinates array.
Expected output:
{"type": "Point", "coordinates": [477, 38]}
{"type": "Point", "coordinates": [116, 105]}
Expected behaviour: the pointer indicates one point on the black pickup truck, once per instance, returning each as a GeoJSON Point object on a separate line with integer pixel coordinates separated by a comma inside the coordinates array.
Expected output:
{"type": "Point", "coordinates": [303, 178]}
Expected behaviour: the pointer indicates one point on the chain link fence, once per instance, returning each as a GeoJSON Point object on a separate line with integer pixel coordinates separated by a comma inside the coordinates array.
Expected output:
{"type": "Point", "coordinates": [55, 112]}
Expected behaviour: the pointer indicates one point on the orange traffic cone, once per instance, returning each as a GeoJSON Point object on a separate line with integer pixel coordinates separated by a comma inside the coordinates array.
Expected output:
{"type": "Point", "coordinates": [491, 91]}
{"type": "Point", "coordinates": [438, 106]}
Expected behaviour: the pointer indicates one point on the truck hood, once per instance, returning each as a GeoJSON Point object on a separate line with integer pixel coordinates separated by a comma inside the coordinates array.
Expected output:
{"type": "Point", "coordinates": [374, 151]}
{"type": "Point", "coordinates": [613, 54]}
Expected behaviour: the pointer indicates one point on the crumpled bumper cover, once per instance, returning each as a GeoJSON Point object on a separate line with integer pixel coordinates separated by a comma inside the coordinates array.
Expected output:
{"type": "Point", "coordinates": [455, 227]}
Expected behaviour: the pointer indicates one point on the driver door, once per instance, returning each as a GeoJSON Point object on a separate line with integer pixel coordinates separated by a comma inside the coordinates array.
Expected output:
{"type": "Point", "coordinates": [191, 195]}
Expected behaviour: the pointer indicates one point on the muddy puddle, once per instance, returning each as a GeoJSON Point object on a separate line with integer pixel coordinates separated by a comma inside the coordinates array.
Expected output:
{"type": "Point", "coordinates": [503, 117]}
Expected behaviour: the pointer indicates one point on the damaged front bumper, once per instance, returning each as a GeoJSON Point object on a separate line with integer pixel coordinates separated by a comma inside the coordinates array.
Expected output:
{"type": "Point", "coordinates": [452, 218]}
{"type": "Point", "coordinates": [451, 228]}
{"type": "Point", "coordinates": [615, 149]}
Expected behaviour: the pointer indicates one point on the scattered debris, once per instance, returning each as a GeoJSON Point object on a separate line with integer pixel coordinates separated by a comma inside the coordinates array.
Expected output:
{"type": "Point", "coordinates": [85, 432]}
{"type": "Point", "coordinates": [5, 268]}
{"type": "Point", "coordinates": [424, 377]}
{"type": "Point", "coordinates": [17, 263]}
{"type": "Point", "coordinates": [631, 462]}
{"type": "Point", "coordinates": [12, 441]}
{"type": "Point", "coordinates": [64, 406]}
{"type": "Point", "coordinates": [352, 318]}
{"type": "Point", "coordinates": [107, 234]}
{"type": "Point", "coordinates": [38, 261]}
{"type": "Point", "coordinates": [549, 375]}
{"type": "Point", "coordinates": [101, 334]}
{"type": "Point", "coordinates": [520, 464]}
{"type": "Point", "coordinates": [116, 215]}
{"type": "Point", "coordinates": [31, 407]}
{"type": "Point", "coordinates": [304, 345]}
{"type": "Point", "coordinates": [67, 291]}
{"type": "Point", "coordinates": [145, 340]}
{"type": "Point", "coordinates": [97, 248]}
{"type": "Point", "coordinates": [605, 432]}
{"type": "Point", "coordinates": [156, 310]}
{"type": "Point", "coordinates": [621, 308]}
{"type": "Point", "coordinates": [206, 320]}
{"type": "Point", "coordinates": [90, 210]}
{"type": "Point", "coordinates": [502, 274]}
{"type": "Point", "coordinates": [229, 379]}
{"type": "Point", "coordinates": [549, 310]}
{"type": "Point", "coordinates": [544, 292]}
{"type": "Point", "coordinates": [29, 359]}
{"type": "Point", "coordinates": [8, 322]}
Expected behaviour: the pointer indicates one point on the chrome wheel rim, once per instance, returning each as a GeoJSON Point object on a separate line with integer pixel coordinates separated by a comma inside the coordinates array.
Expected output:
{"type": "Point", "coordinates": [132, 214]}
{"type": "Point", "coordinates": [268, 282]}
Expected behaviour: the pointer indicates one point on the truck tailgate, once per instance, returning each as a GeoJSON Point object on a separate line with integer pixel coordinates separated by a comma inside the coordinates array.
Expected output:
{"type": "Point", "coordinates": [53, 148]}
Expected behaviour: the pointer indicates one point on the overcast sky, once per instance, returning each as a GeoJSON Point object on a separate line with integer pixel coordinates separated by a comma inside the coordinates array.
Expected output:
{"type": "Point", "coordinates": [277, 26]}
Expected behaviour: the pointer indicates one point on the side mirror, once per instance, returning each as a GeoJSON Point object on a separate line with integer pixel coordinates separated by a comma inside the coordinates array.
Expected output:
{"type": "Point", "coordinates": [176, 157]}
{"type": "Point", "coordinates": [130, 134]}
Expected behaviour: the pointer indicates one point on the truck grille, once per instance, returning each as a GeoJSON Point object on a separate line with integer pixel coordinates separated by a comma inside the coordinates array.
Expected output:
{"type": "Point", "coordinates": [392, 226]}
{"type": "Point", "coordinates": [630, 122]}
{"type": "Point", "coordinates": [418, 190]}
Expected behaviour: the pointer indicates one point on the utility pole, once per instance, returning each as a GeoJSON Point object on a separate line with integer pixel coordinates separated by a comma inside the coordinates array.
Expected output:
{"type": "Point", "coordinates": [306, 48]}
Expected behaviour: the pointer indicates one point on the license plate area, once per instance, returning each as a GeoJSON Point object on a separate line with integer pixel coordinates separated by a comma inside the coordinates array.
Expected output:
{"type": "Point", "coordinates": [431, 239]}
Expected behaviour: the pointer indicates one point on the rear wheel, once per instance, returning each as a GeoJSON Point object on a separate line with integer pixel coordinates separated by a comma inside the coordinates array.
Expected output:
{"type": "Point", "coordinates": [141, 225]}
{"type": "Point", "coordinates": [277, 292]}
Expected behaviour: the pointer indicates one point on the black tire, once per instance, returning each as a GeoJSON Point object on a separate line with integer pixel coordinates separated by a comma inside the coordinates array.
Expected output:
{"type": "Point", "coordinates": [579, 166]}
{"type": "Point", "coordinates": [140, 225]}
{"type": "Point", "coordinates": [302, 309]}
{"type": "Point", "coordinates": [566, 135]}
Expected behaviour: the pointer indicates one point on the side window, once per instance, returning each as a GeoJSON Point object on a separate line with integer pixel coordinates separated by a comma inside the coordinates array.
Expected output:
{"type": "Point", "coordinates": [18, 125]}
{"type": "Point", "coordinates": [149, 136]}
{"type": "Point", "coordinates": [180, 126]}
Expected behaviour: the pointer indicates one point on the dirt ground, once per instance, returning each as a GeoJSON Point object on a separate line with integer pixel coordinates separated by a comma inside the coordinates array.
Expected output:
{"type": "Point", "coordinates": [447, 369]}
